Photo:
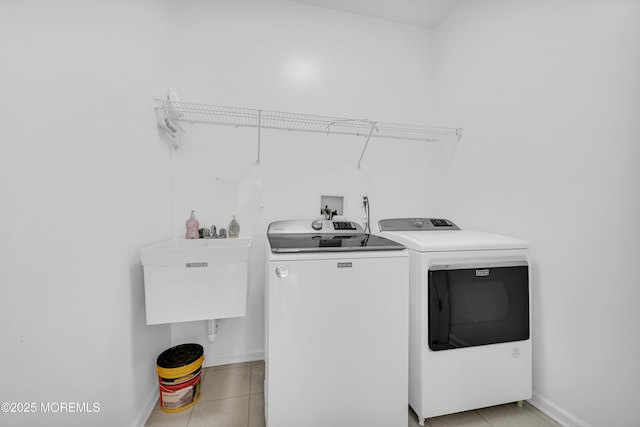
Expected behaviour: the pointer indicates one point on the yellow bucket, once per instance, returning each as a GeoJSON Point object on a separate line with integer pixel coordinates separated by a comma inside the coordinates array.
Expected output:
{"type": "Point", "coordinates": [179, 372]}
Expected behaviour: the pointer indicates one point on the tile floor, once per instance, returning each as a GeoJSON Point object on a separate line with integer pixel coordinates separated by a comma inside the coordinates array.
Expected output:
{"type": "Point", "coordinates": [232, 396]}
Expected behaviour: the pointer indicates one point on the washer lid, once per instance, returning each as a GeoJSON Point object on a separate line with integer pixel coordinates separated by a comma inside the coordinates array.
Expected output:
{"type": "Point", "coordinates": [453, 240]}
{"type": "Point", "coordinates": [296, 243]}
{"type": "Point", "coordinates": [296, 236]}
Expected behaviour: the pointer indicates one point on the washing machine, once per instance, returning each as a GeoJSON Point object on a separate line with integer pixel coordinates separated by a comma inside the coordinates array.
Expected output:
{"type": "Point", "coordinates": [337, 310]}
{"type": "Point", "coordinates": [470, 328]}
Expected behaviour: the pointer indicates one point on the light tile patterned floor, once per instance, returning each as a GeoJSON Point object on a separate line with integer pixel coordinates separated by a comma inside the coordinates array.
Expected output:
{"type": "Point", "coordinates": [232, 396]}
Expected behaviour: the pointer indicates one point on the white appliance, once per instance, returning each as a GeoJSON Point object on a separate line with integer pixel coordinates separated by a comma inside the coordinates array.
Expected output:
{"type": "Point", "coordinates": [337, 310]}
{"type": "Point", "coordinates": [470, 333]}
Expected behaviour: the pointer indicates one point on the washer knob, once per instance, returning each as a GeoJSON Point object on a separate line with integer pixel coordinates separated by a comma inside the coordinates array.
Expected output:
{"type": "Point", "coordinates": [418, 223]}
{"type": "Point", "coordinates": [317, 224]}
{"type": "Point", "coordinates": [282, 271]}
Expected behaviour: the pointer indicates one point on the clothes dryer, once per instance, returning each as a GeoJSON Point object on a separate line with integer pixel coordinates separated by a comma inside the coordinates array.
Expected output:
{"type": "Point", "coordinates": [470, 329]}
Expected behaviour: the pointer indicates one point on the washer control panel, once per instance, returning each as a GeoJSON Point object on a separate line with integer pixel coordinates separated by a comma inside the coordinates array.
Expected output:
{"type": "Point", "coordinates": [321, 226]}
{"type": "Point", "coordinates": [344, 225]}
{"type": "Point", "coordinates": [416, 224]}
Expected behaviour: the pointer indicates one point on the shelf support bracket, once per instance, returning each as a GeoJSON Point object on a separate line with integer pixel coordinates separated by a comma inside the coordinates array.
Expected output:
{"type": "Point", "coordinates": [259, 131]}
{"type": "Point", "coordinates": [373, 126]}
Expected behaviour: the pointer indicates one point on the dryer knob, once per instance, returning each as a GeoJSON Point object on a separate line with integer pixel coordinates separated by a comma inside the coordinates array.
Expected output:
{"type": "Point", "coordinates": [418, 223]}
{"type": "Point", "coordinates": [316, 225]}
{"type": "Point", "coordinates": [282, 271]}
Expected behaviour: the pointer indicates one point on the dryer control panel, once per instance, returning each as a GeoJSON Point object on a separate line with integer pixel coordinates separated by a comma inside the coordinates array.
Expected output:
{"type": "Point", "coordinates": [416, 224]}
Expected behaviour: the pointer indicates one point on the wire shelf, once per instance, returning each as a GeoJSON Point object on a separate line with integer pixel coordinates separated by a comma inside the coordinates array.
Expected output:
{"type": "Point", "coordinates": [266, 119]}
{"type": "Point", "coordinates": [245, 117]}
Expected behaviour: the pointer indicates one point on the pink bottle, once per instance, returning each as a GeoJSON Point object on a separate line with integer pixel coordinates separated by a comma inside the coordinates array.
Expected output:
{"type": "Point", "coordinates": [192, 227]}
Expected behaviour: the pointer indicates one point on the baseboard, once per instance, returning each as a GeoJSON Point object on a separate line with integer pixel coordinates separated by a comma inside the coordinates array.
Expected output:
{"type": "Point", "coordinates": [227, 358]}
{"type": "Point", "coordinates": [148, 407]}
{"type": "Point", "coordinates": [556, 412]}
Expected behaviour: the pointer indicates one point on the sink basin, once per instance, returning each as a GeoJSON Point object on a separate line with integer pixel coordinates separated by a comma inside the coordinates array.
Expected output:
{"type": "Point", "coordinates": [196, 279]}
{"type": "Point", "coordinates": [180, 251]}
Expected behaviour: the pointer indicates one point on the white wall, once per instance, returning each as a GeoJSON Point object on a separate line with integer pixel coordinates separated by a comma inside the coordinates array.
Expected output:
{"type": "Point", "coordinates": [84, 183]}
{"type": "Point", "coordinates": [243, 54]}
{"type": "Point", "coordinates": [549, 95]}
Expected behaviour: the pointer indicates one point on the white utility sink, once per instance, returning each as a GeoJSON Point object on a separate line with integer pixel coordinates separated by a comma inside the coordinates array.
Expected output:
{"type": "Point", "coordinates": [195, 279]}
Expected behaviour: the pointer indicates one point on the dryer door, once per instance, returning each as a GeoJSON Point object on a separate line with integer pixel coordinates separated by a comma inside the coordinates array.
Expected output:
{"type": "Point", "coordinates": [478, 306]}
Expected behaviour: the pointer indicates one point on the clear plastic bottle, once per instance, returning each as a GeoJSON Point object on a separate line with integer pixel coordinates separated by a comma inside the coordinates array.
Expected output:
{"type": "Point", "coordinates": [192, 227]}
{"type": "Point", "coordinates": [234, 228]}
